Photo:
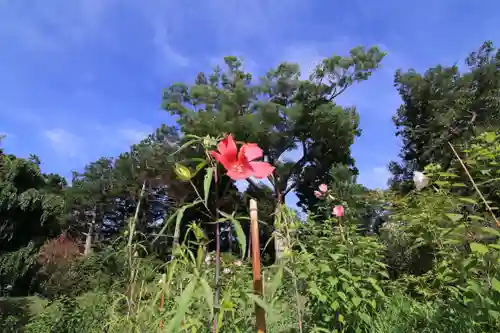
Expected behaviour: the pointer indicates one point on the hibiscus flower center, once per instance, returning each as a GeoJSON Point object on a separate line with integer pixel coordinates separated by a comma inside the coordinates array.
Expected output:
{"type": "Point", "coordinates": [238, 167]}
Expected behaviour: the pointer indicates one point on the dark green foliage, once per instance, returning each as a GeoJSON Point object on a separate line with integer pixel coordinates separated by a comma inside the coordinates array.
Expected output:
{"type": "Point", "coordinates": [280, 112]}
{"type": "Point", "coordinates": [444, 105]}
{"type": "Point", "coordinates": [30, 203]}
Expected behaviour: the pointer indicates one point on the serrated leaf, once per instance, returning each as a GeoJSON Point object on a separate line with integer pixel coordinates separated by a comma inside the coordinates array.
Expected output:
{"type": "Point", "coordinates": [207, 182]}
{"type": "Point", "coordinates": [183, 303]}
{"type": "Point", "coordinates": [454, 217]}
{"type": "Point", "coordinates": [478, 248]}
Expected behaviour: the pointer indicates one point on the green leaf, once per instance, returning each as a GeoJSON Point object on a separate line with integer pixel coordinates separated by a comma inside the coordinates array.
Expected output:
{"type": "Point", "coordinates": [260, 302]}
{"type": "Point", "coordinates": [342, 296]}
{"type": "Point", "coordinates": [275, 282]}
{"type": "Point", "coordinates": [364, 317]}
{"type": "Point", "coordinates": [468, 200]}
{"type": "Point", "coordinates": [356, 301]}
{"type": "Point", "coordinates": [454, 217]}
{"type": "Point", "coordinates": [240, 235]}
{"type": "Point", "coordinates": [447, 174]}
{"type": "Point", "coordinates": [208, 295]}
{"type": "Point", "coordinates": [478, 248]}
{"type": "Point", "coordinates": [490, 137]}
{"type": "Point", "coordinates": [494, 314]}
{"type": "Point", "coordinates": [183, 303]}
{"type": "Point", "coordinates": [490, 231]}
{"type": "Point", "coordinates": [200, 166]}
{"type": "Point", "coordinates": [207, 182]}
{"type": "Point", "coordinates": [184, 146]}
{"type": "Point", "coordinates": [344, 272]}
{"type": "Point", "coordinates": [179, 214]}
{"type": "Point", "coordinates": [495, 284]}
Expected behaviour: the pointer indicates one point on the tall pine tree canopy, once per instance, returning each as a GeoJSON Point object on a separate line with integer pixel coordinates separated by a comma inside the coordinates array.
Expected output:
{"type": "Point", "coordinates": [281, 112]}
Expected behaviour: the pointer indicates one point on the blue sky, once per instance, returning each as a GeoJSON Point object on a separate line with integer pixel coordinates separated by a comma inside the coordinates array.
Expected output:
{"type": "Point", "coordinates": [83, 78]}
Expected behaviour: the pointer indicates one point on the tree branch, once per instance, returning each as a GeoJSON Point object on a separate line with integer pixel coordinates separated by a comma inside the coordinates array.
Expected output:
{"type": "Point", "coordinates": [295, 167]}
{"type": "Point", "coordinates": [251, 182]}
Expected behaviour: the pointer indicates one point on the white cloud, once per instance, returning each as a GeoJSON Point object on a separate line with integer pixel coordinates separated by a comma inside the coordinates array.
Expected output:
{"type": "Point", "coordinates": [64, 142]}
{"type": "Point", "coordinates": [88, 142]}
{"type": "Point", "coordinates": [375, 178]}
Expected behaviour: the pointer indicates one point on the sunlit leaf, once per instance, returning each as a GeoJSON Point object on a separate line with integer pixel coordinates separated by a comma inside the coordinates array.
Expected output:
{"type": "Point", "coordinates": [454, 217]}
{"type": "Point", "coordinates": [478, 248]}
{"type": "Point", "coordinates": [207, 182]}
{"type": "Point", "coordinates": [468, 200]}
{"type": "Point", "coordinates": [495, 284]}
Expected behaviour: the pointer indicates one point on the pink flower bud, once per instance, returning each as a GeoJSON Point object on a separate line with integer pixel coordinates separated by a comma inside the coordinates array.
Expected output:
{"type": "Point", "coordinates": [318, 194]}
{"type": "Point", "coordinates": [323, 188]}
{"type": "Point", "coordinates": [338, 211]}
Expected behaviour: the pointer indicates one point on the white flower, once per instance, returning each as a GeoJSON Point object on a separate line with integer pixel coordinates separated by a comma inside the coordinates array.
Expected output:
{"type": "Point", "coordinates": [162, 279]}
{"type": "Point", "coordinates": [238, 263]}
{"type": "Point", "coordinates": [226, 270]}
{"type": "Point", "coordinates": [208, 259]}
{"type": "Point", "coordinates": [420, 180]}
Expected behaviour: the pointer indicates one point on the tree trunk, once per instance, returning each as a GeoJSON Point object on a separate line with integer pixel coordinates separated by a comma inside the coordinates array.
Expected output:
{"type": "Point", "coordinates": [280, 242]}
{"type": "Point", "coordinates": [88, 237]}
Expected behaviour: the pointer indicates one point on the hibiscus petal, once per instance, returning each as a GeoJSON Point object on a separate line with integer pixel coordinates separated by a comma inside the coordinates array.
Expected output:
{"type": "Point", "coordinates": [222, 159]}
{"type": "Point", "coordinates": [261, 169]}
{"type": "Point", "coordinates": [251, 151]}
{"type": "Point", "coordinates": [237, 175]}
{"type": "Point", "coordinates": [227, 147]}
{"type": "Point", "coordinates": [338, 211]}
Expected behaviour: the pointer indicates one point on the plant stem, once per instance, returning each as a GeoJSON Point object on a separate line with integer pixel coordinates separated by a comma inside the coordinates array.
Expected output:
{"type": "Point", "coordinates": [474, 184]}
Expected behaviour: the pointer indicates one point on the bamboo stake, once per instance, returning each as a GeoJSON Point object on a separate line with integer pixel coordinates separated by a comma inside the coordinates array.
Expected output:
{"type": "Point", "coordinates": [260, 315]}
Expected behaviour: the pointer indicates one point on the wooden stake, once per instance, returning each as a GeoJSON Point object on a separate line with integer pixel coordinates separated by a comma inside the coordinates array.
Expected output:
{"type": "Point", "coordinates": [162, 304]}
{"type": "Point", "coordinates": [260, 315]}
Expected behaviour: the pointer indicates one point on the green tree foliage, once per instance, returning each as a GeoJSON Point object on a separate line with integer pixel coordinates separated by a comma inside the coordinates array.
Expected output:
{"type": "Point", "coordinates": [30, 203]}
{"type": "Point", "coordinates": [444, 105]}
{"type": "Point", "coordinates": [281, 113]}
